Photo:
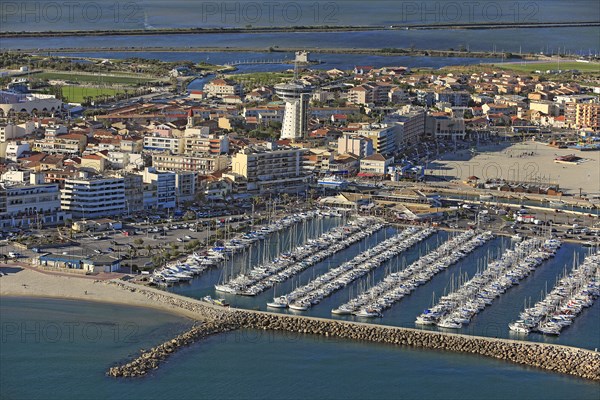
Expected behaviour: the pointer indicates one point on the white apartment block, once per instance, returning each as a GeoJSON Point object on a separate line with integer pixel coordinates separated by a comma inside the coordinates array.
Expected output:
{"type": "Point", "coordinates": [202, 164]}
{"type": "Point", "coordinates": [223, 87]}
{"type": "Point", "coordinates": [355, 144]}
{"type": "Point", "coordinates": [409, 125]}
{"type": "Point", "coordinates": [383, 137]}
{"type": "Point", "coordinates": [15, 149]}
{"type": "Point", "coordinates": [94, 197]}
{"type": "Point", "coordinates": [156, 142]}
{"type": "Point", "coordinates": [270, 170]}
{"type": "Point", "coordinates": [11, 131]}
{"type": "Point", "coordinates": [24, 204]}
{"type": "Point", "coordinates": [159, 189]}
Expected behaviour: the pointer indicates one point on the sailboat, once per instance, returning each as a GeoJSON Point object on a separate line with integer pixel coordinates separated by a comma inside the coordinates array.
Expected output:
{"type": "Point", "coordinates": [278, 302]}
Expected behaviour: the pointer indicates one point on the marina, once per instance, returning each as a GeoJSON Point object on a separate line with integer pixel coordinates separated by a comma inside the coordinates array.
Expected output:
{"type": "Point", "coordinates": [291, 263]}
{"type": "Point", "coordinates": [304, 297]}
{"type": "Point", "coordinates": [457, 308]}
{"type": "Point", "coordinates": [195, 264]}
{"type": "Point", "coordinates": [565, 302]}
{"type": "Point", "coordinates": [497, 315]}
{"type": "Point", "coordinates": [399, 284]}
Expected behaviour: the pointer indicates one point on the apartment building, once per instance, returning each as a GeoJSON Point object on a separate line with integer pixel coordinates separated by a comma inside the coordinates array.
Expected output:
{"type": "Point", "coordinates": [358, 145]}
{"type": "Point", "coordinates": [455, 98]}
{"type": "Point", "coordinates": [223, 87]}
{"type": "Point", "coordinates": [583, 116]}
{"type": "Point", "coordinates": [382, 136]}
{"type": "Point", "coordinates": [159, 189]}
{"type": "Point", "coordinates": [26, 204]}
{"type": "Point", "coordinates": [445, 127]}
{"type": "Point", "coordinates": [72, 143]}
{"type": "Point", "coordinates": [185, 186]}
{"type": "Point", "coordinates": [409, 122]}
{"type": "Point", "coordinates": [270, 169]}
{"type": "Point", "coordinates": [94, 197]}
{"type": "Point", "coordinates": [205, 143]}
{"type": "Point", "coordinates": [375, 165]}
{"type": "Point", "coordinates": [156, 142]}
{"type": "Point", "coordinates": [369, 93]}
{"type": "Point", "coordinates": [134, 192]}
{"type": "Point", "coordinates": [202, 164]}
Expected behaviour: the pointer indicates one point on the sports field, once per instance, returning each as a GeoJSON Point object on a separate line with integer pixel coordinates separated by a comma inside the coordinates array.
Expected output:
{"type": "Point", "coordinates": [92, 78]}
{"type": "Point", "coordinates": [78, 94]}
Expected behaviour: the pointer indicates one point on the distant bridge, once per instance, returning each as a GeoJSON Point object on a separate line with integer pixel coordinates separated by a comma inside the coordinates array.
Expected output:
{"type": "Point", "coordinates": [253, 62]}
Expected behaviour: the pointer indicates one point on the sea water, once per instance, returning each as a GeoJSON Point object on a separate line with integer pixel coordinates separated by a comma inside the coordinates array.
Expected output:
{"type": "Point", "coordinates": [239, 365]}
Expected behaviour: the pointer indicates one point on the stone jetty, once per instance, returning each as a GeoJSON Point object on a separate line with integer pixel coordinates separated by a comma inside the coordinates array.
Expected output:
{"type": "Point", "coordinates": [562, 359]}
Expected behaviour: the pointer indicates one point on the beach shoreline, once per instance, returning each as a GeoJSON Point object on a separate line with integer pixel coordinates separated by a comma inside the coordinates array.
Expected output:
{"type": "Point", "coordinates": [30, 283]}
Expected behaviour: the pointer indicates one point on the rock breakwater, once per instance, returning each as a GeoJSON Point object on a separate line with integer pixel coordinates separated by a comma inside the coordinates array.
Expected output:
{"type": "Point", "coordinates": [562, 359]}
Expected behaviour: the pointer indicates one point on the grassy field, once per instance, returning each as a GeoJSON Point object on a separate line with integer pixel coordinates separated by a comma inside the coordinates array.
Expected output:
{"type": "Point", "coordinates": [78, 94]}
{"type": "Point", "coordinates": [85, 78]}
{"type": "Point", "coordinates": [256, 79]}
{"type": "Point", "coordinates": [545, 66]}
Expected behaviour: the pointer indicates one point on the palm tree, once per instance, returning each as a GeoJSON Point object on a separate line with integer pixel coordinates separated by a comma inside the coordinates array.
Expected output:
{"type": "Point", "coordinates": [257, 200]}
{"type": "Point", "coordinates": [149, 250]}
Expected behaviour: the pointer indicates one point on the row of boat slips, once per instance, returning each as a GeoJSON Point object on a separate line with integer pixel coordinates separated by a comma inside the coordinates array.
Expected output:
{"type": "Point", "coordinates": [243, 241]}
{"type": "Point", "coordinates": [567, 299]}
{"type": "Point", "coordinates": [457, 308]}
{"type": "Point", "coordinates": [306, 296]}
{"type": "Point", "coordinates": [397, 285]}
{"type": "Point", "coordinates": [289, 264]}
{"type": "Point", "coordinates": [195, 264]}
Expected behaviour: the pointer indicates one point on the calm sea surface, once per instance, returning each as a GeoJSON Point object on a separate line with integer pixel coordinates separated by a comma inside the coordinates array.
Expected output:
{"type": "Point", "coordinates": [152, 14]}
{"type": "Point", "coordinates": [39, 360]}
{"type": "Point", "coordinates": [581, 40]}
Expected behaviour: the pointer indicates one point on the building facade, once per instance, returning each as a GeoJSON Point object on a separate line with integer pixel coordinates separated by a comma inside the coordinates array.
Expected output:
{"type": "Point", "coordinates": [94, 197]}
{"type": "Point", "coordinates": [159, 189]}
{"type": "Point", "coordinates": [295, 117]}
{"type": "Point", "coordinates": [24, 205]}
{"type": "Point", "coordinates": [202, 164]}
{"type": "Point", "coordinates": [270, 170]}
{"type": "Point", "coordinates": [354, 144]}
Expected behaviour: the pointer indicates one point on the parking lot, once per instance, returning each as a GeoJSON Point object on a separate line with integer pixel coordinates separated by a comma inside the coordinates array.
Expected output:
{"type": "Point", "coordinates": [136, 243]}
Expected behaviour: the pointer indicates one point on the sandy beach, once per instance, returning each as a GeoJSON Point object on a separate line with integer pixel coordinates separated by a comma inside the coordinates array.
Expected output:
{"type": "Point", "coordinates": [31, 283]}
{"type": "Point", "coordinates": [526, 161]}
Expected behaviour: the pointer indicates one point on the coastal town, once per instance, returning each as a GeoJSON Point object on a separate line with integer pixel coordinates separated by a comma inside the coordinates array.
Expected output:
{"type": "Point", "coordinates": [309, 199]}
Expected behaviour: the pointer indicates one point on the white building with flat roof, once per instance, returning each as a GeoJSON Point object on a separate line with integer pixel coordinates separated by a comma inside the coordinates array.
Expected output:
{"type": "Point", "coordinates": [271, 170]}
{"type": "Point", "coordinates": [160, 189]}
{"type": "Point", "coordinates": [94, 197]}
{"type": "Point", "coordinates": [25, 204]}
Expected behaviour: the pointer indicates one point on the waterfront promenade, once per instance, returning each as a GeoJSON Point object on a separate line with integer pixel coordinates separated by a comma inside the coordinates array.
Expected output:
{"type": "Point", "coordinates": [214, 319]}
